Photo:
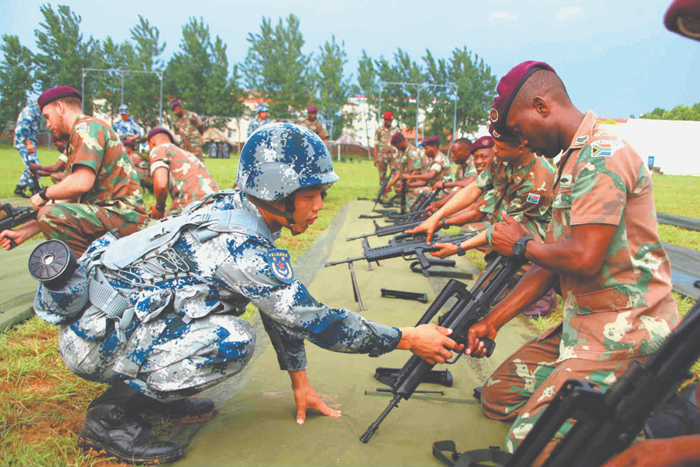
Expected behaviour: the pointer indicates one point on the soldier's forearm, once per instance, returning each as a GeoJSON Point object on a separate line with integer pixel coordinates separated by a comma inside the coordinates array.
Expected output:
{"type": "Point", "coordinates": [463, 198]}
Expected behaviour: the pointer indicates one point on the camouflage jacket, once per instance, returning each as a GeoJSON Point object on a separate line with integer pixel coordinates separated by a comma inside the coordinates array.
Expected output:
{"type": "Point", "coordinates": [382, 142]}
{"type": "Point", "coordinates": [525, 193]}
{"type": "Point", "coordinates": [127, 128]}
{"type": "Point", "coordinates": [93, 144]}
{"type": "Point", "coordinates": [441, 164]}
{"type": "Point", "coordinates": [139, 160]}
{"type": "Point", "coordinates": [466, 171]}
{"type": "Point", "coordinates": [411, 159]}
{"type": "Point", "coordinates": [221, 275]}
{"type": "Point", "coordinates": [27, 127]}
{"type": "Point", "coordinates": [187, 129]}
{"type": "Point", "coordinates": [626, 309]}
{"type": "Point", "coordinates": [255, 124]}
{"type": "Point", "coordinates": [316, 126]}
{"type": "Point", "coordinates": [188, 179]}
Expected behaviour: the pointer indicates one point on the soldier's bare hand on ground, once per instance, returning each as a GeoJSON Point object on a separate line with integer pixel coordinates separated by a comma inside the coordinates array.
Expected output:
{"type": "Point", "coordinates": [306, 397]}
{"type": "Point", "coordinates": [446, 249]}
{"type": "Point", "coordinates": [430, 342]}
{"type": "Point", "coordinates": [475, 345]}
{"type": "Point", "coordinates": [505, 234]}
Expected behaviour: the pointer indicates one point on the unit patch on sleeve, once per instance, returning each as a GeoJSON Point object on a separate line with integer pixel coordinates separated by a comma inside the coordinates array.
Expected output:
{"type": "Point", "coordinates": [279, 261]}
{"type": "Point", "coordinates": [533, 198]}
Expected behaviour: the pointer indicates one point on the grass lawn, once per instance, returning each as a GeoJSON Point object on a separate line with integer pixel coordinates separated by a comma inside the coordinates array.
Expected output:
{"type": "Point", "coordinates": [42, 404]}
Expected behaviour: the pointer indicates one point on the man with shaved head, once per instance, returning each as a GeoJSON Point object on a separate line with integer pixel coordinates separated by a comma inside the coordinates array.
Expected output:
{"type": "Point", "coordinates": [602, 250]}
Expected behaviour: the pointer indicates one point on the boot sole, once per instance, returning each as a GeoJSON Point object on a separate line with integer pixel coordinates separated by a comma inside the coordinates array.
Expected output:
{"type": "Point", "coordinates": [98, 449]}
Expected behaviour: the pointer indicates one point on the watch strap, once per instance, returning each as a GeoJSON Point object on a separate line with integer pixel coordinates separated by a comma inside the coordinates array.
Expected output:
{"type": "Point", "coordinates": [42, 194]}
{"type": "Point", "coordinates": [460, 250]}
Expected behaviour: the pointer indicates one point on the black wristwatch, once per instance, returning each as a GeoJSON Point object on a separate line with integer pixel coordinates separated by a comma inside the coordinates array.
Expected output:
{"type": "Point", "coordinates": [160, 208]}
{"type": "Point", "coordinates": [42, 194]}
{"type": "Point", "coordinates": [520, 247]}
{"type": "Point", "coordinates": [460, 250]}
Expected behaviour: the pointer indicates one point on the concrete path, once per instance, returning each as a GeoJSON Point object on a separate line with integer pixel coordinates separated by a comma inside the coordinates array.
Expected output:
{"type": "Point", "coordinates": [256, 423]}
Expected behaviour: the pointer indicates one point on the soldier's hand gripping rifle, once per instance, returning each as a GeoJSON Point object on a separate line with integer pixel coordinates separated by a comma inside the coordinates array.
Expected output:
{"type": "Point", "coordinates": [392, 229]}
{"type": "Point", "coordinates": [409, 247]}
{"type": "Point", "coordinates": [11, 217]}
{"type": "Point", "coordinates": [470, 307]}
{"type": "Point", "coordinates": [606, 424]}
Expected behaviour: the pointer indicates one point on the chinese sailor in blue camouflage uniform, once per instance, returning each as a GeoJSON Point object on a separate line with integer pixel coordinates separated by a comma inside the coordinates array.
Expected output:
{"type": "Point", "coordinates": [156, 313]}
{"type": "Point", "coordinates": [26, 134]}
{"type": "Point", "coordinates": [126, 127]}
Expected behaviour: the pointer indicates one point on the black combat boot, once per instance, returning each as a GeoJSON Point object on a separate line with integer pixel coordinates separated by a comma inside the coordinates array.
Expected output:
{"type": "Point", "coordinates": [189, 410]}
{"type": "Point", "coordinates": [19, 191]}
{"type": "Point", "coordinates": [113, 425]}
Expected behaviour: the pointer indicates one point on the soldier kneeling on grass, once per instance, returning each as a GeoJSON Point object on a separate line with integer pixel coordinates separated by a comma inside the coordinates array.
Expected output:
{"type": "Point", "coordinates": [161, 319]}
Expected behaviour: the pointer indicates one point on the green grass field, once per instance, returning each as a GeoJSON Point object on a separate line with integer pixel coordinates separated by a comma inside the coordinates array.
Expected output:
{"type": "Point", "coordinates": [42, 404]}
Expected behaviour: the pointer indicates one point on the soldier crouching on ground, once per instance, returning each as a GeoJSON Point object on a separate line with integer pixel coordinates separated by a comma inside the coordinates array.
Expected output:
{"type": "Point", "coordinates": [57, 171]}
{"type": "Point", "coordinates": [177, 172]}
{"type": "Point", "coordinates": [177, 288]}
{"type": "Point", "coordinates": [602, 248]}
{"type": "Point", "coordinates": [141, 164]}
{"type": "Point", "coordinates": [101, 192]}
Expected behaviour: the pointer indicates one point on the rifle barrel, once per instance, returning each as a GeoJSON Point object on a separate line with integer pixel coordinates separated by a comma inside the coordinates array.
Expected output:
{"type": "Point", "coordinates": [349, 260]}
{"type": "Point", "coordinates": [374, 426]}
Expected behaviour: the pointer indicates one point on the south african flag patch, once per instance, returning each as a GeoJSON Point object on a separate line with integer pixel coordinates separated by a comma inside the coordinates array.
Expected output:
{"type": "Point", "coordinates": [533, 198]}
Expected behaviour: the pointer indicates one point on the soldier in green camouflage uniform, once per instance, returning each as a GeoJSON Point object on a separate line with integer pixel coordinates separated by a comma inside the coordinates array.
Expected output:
{"type": "Point", "coordinates": [190, 128]}
{"type": "Point", "coordinates": [314, 124]}
{"type": "Point", "coordinates": [183, 175]}
{"type": "Point", "coordinates": [384, 152]}
{"type": "Point", "coordinates": [101, 191]}
{"type": "Point", "coordinates": [602, 247]}
{"type": "Point", "coordinates": [435, 167]}
{"type": "Point", "coordinates": [408, 160]}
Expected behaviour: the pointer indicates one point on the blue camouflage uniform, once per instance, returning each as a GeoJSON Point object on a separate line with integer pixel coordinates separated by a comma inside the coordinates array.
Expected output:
{"type": "Point", "coordinates": [185, 334]}
{"type": "Point", "coordinates": [125, 128]}
{"type": "Point", "coordinates": [255, 124]}
{"type": "Point", "coordinates": [27, 128]}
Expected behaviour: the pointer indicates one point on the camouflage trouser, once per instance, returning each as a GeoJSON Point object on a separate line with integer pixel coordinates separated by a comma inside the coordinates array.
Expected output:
{"type": "Point", "coordinates": [528, 380]}
{"type": "Point", "coordinates": [57, 177]}
{"type": "Point", "coordinates": [166, 358]}
{"type": "Point", "coordinates": [25, 180]}
{"type": "Point", "coordinates": [382, 166]}
{"type": "Point", "coordinates": [476, 227]}
{"type": "Point", "coordinates": [78, 225]}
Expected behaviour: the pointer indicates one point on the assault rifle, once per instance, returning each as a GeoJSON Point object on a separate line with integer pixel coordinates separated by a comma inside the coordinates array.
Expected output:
{"type": "Point", "coordinates": [382, 189]}
{"type": "Point", "coordinates": [470, 307]}
{"type": "Point", "coordinates": [419, 210]}
{"type": "Point", "coordinates": [386, 230]}
{"type": "Point", "coordinates": [11, 217]}
{"type": "Point", "coordinates": [409, 247]}
{"type": "Point", "coordinates": [606, 424]}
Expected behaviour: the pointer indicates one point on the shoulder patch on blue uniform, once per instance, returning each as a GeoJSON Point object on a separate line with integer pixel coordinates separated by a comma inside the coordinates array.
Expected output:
{"type": "Point", "coordinates": [279, 261]}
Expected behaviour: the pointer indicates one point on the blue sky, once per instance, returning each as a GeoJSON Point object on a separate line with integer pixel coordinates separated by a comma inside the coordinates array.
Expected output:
{"type": "Point", "coordinates": [615, 57]}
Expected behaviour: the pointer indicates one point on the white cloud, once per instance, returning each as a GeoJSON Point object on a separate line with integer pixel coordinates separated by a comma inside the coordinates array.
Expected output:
{"type": "Point", "coordinates": [567, 12]}
{"type": "Point", "coordinates": [497, 16]}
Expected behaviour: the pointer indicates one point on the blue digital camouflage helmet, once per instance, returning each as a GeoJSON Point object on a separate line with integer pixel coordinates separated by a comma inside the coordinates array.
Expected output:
{"type": "Point", "coordinates": [262, 108]}
{"type": "Point", "coordinates": [281, 158]}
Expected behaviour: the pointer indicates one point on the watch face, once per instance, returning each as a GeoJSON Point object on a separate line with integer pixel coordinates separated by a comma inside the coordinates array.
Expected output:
{"type": "Point", "coordinates": [519, 247]}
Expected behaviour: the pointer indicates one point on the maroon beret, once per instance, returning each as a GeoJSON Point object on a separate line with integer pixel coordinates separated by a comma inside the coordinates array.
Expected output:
{"type": "Point", "coordinates": [129, 144]}
{"type": "Point", "coordinates": [397, 138]}
{"type": "Point", "coordinates": [683, 17]}
{"type": "Point", "coordinates": [484, 142]}
{"type": "Point", "coordinates": [160, 129]}
{"type": "Point", "coordinates": [431, 141]}
{"type": "Point", "coordinates": [505, 137]}
{"type": "Point", "coordinates": [508, 88]}
{"type": "Point", "coordinates": [175, 104]}
{"type": "Point", "coordinates": [56, 93]}
{"type": "Point", "coordinates": [388, 115]}
{"type": "Point", "coordinates": [312, 109]}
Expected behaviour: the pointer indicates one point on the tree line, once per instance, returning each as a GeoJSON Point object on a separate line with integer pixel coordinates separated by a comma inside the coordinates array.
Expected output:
{"type": "Point", "coordinates": [680, 112]}
{"type": "Point", "coordinates": [275, 69]}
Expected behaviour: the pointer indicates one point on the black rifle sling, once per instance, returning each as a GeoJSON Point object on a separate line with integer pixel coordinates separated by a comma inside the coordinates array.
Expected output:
{"type": "Point", "coordinates": [494, 455]}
